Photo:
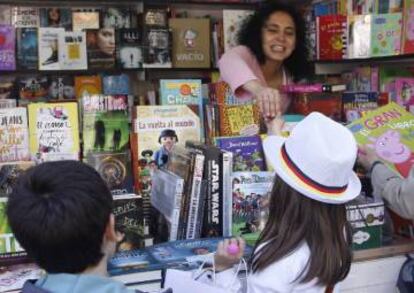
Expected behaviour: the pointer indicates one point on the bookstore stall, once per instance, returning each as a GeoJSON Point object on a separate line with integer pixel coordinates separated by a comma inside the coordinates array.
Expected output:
{"type": "Point", "coordinates": [132, 88]}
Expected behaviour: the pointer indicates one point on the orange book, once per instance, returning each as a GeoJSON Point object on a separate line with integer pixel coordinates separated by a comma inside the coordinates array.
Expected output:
{"type": "Point", "coordinates": [87, 85]}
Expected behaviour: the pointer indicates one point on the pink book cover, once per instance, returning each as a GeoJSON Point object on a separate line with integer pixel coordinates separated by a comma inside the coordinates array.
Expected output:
{"type": "Point", "coordinates": [408, 29]}
{"type": "Point", "coordinates": [404, 88]}
{"type": "Point", "coordinates": [7, 47]}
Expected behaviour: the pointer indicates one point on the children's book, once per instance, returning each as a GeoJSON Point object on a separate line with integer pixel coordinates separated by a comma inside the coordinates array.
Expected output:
{"type": "Point", "coordinates": [251, 195]}
{"type": "Point", "coordinates": [408, 28]}
{"type": "Point", "coordinates": [25, 17]}
{"type": "Point", "coordinates": [27, 54]}
{"type": "Point", "coordinates": [9, 173]}
{"type": "Point", "coordinates": [331, 37]}
{"type": "Point", "coordinates": [359, 36]}
{"type": "Point", "coordinates": [48, 43]}
{"type": "Point", "coordinates": [7, 47]}
{"type": "Point", "coordinates": [386, 34]}
{"type": "Point", "coordinates": [180, 91]}
{"type": "Point", "coordinates": [130, 53]}
{"type": "Point", "coordinates": [72, 50]}
{"type": "Point", "coordinates": [247, 152]}
{"type": "Point", "coordinates": [404, 88]}
{"type": "Point", "coordinates": [389, 130]}
{"type": "Point", "coordinates": [14, 137]}
{"type": "Point", "coordinates": [239, 120]}
{"type": "Point", "coordinates": [356, 104]}
{"type": "Point", "coordinates": [53, 131]}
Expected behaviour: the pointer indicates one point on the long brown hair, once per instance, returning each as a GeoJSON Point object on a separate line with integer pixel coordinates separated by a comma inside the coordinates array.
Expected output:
{"type": "Point", "coordinates": [294, 219]}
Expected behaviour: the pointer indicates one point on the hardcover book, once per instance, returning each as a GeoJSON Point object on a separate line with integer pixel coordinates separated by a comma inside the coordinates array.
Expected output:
{"type": "Point", "coordinates": [389, 131]}
{"type": "Point", "coordinates": [9, 173]}
{"type": "Point", "coordinates": [404, 88]}
{"type": "Point", "coordinates": [14, 138]}
{"type": "Point", "coordinates": [386, 34]}
{"type": "Point", "coordinates": [82, 20]}
{"type": "Point", "coordinates": [27, 48]}
{"type": "Point", "coordinates": [72, 51]}
{"type": "Point", "coordinates": [408, 27]}
{"type": "Point", "coordinates": [56, 17]}
{"type": "Point", "coordinates": [180, 91]}
{"type": "Point", "coordinates": [117, 17]}
{"type": "Point", "coordinates": [101, 48]}
{"type": "Point", "coordinates": [247, 152]}
{"type": "Point", "coordinates": [105, 123]}
{"type": "Point", "coordinates": [130, 52]}
{"type": "Point", "coordinates": [157, 54]}
{"type": "Point", "coordinates": [53, 131]}
{"type": "Point", "coordinates": [239, 120]}
{"type": "Point", "coordinates": [25, 17]}
{"type": "Point", "coordinates": [232, 22]}
{"type": "Point", "coordinates": [356, 104]}
{"type": "Point", "coordinates": [251, 195]}
{"type": "Point", "coordinates": [191, 47]}
{"type": "Point", "coordinates": [331, 37]}
{"type": "Point", "coordinates": [7, 47]}
{"type": "Point", "coordinates": [48, 42]}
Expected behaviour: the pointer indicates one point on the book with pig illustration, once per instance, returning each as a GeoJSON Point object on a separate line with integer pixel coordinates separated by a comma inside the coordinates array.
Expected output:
{"type": "Point", "coordinates": [390, 131]}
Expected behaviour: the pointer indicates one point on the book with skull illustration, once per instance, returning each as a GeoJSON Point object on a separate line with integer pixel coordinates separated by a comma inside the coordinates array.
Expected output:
{"type": "Point", "coordinates": [191, 47]}
{"type": "Point", "coordinates": [388, 130]}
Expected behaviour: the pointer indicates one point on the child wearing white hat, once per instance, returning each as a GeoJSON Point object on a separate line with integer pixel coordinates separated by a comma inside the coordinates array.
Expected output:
{"type": "Point", "coordinates": [306, 244]}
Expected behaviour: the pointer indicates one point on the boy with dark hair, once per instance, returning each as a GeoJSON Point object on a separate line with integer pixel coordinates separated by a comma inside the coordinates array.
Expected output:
{"type": "Point", "coordinates": [61, 214]}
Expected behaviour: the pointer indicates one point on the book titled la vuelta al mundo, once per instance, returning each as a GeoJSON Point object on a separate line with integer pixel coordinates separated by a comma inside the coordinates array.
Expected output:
{"type": "Point", "coordinates": [389, 130]}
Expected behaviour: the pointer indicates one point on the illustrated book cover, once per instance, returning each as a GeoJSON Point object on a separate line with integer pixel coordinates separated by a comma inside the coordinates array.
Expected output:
{"type": "Point", "coordinates": [27, 48]}
{"type": "Point", "coordinates": [9, 173]}
{"type": "Point", "coordinates": [7, 47]}
{"type": "Point", "coordinates": [130, 51]}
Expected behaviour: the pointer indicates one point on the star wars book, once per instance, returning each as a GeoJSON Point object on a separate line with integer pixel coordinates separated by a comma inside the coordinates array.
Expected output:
{"type": "Point", "coordinates": [130, 52]}
{"type": "Point", "coordinates": [72, 51]}
{"type": "Point", "coordinates": [27, 48]}
{"type": "Point", "coordinates": [61, 87]}
{"type": "Point", "coordinates": [389, 131]}
{"type": "Point", "coordinates": [9, 173]}
{"type": "Point", "coordinates": [14, 139]}
{"type": "Point", "coordinates": [105, 123]}
{"type": "Point", "coordinates": [115, 170]}
{"type": "Point", "coordinates": [56, 17]}
{"type": "Point", "coordinates": [116, 17]}
{"type": "Point", "coordinates": [49, 48]}
{"type": "Point", "coordinates": [25, 17]}
{"type": "Point", "coordinates": [32, 88]}
{"type": "Point", "coordinates": [157, 42]}
{"type": "Point", "coordinates": [191, 47]}
{"type": "Point", "coordinates": [53, 131]}
{"type": "Point", "coordinates": [7, 47]}
{"type": "Point", "coordinates": [101, 48]}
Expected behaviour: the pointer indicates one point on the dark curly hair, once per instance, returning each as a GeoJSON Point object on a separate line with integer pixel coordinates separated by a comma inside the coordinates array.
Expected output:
{"type": "Point", "coordinates": [250, 35]}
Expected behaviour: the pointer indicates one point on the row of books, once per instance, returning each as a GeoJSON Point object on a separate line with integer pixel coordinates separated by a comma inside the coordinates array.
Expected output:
{"type": "Point", "coordinates": [351, 7]}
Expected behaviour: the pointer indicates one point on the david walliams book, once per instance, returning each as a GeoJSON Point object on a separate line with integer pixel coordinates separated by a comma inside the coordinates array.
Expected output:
{"type": "Point", "coordinates": [389, 130]}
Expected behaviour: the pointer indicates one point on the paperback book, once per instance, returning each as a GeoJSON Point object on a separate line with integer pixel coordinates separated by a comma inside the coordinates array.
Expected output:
{"type": "Point", "coordinates": [56, 17]}
{"type": "Point", "coordinates": [101, 48]}
{"type": "Point", "coordinates": [61, 87]}
{"type": "Point", "coordinates": [9, 173]}
{"type": "Point", "coordinates": [386, 34]}
{"type": "Point", "coordinates": [83, 20]}
{"type": "Point", "coordinates": [356, 104]}
{"type": "Point", "coordinates": [116, 17]}
{"type": "Point", "coordinates": [27, 48]}
{"type": "Point", "coordinates": [87, 85]}
{"type": "Point", "coordinates": [32, 89]}
{"type": "Point", "coordinates": [7, 47]}
{"type": "Point", "coordinates": [130, 52]}
{"type": "Point", "coordinates": [72, 51]}
{"type": "Point", "coordinates": [48, 43]}
{"type": "Point", "coordinates": [157, 42]}
{"type": "Point", "coordinates": [25, 17]}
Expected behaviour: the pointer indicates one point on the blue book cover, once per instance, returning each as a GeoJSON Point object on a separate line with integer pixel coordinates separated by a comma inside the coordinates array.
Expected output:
{"type": "Point", "coordinates": [27, 56]}
{"type": "Point", "coordinates": [116, 85]}
{"type": "Point", "coordinates": [137, 259]}
{"type": "Point", "coordinates": [247, 152]}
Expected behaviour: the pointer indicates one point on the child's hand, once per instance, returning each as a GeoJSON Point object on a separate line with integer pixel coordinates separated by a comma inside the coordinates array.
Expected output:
{"type": "Point", "coordinates": [275, 125]}
{"type": "Point", "coordinates": [366, 157]}
{"type": "Point", "coordinates": [223, 258]}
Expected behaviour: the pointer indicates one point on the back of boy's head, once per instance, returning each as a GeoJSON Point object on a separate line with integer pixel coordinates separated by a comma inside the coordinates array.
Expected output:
{"type": "Point", "coordinates": [58, 212]}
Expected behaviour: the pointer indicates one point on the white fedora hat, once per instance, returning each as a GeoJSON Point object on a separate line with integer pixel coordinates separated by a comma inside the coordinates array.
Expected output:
{"type": "Point", "coordinates": [316, 159]}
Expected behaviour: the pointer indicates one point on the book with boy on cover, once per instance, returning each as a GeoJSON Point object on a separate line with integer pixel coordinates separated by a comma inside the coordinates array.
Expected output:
{"type": "Point", "coordinates": [27, 54]}
{"type": "Point", "coordinates": [389, 130]}
{"type": "Point", "coordinates": [251, 195]}
{"type": "Point", "coordinates": [105, 123]}
{"type": "Point", "coordinates": [53, 131]}
{"type": "Point", "coordinates": [14, 137]}
{"type": "Point", "coordinates": [247, 152]}
{"type": "Point", "coordinates": [9, 173]}
{"type": "Point", "coordinates": [7, 47]}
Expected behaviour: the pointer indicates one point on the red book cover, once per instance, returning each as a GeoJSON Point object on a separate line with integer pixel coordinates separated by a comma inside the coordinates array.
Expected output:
{"type": "Point", "coordinates": [331, 37]}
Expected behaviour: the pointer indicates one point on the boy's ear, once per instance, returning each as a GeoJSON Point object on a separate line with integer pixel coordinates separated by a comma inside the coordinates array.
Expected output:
{"type": "Point", "coordinates": [110, 232]}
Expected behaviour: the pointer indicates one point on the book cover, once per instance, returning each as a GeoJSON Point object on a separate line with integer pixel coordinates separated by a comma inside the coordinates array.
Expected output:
{"type": "Point", "coordinates": [32, 88]}
{"type": "Point", "coordinates": [8, 103]}
{"type": "Point", "coordinates": [330, 104]}
{"type": "Point", "coordinates": [10, 249]}
{"type": "Point", "coordinates": [82, 20]}
{"type": "Point", "coordinates": [61, 87]}
{"type": "Point", "coordinates": [25, 17]}
{"type": "Point", "coordinates": [408, 28]}
{"type": "Point", "coordinates": [9, 173]}
{"type": "Point", "coordinates": [116, 84]}
{"type": "Point", "coordinates": [356, 104]}
{"type": "Point", "coordinates": [331, 37]}
{"type": "Point", "coordinates": [129, 220]}
{"type": "Point", "coordinates": [56, 17]}
{"type": "Point", "coordinates": [130, 45]}
{"type": "Point", "coordinates": [7, 87]}
{"type": "Point", "coordinates": [232, 21]}
{"type": "Point", "coordinates": [115, 170]}
{"type": "Point", "coordinates": [247, 152]}
{"type": "Point", "coordinates": [101, 48]}
{"type": "Point", "coordinates": [251, 195]}
{"type": "Point", "coordinates": [87, 85]}
{"type": "Point", "coordinates": [359, 36]}
{"type": "Point", "coordinates": [389, 131]}
{"type": "Point", "coordinates": [191, 47]}
{"type": "Point", "coordinates": [5, 14]}
{"type": "Point", "coordinates": [48, 42]}
{"type": "Point", "coordinates": [13, 277]}
{"type": "Point", "coordinates": [27, 54]}
{"type": "Point", "coordinates": [404, 88]}
{"type": "Point", "coordinates": [116, 17]}
{"type": "Point", "coordinates": [180, 91]}
{"type": "Point", "coordinates": [155, 17]}
{"type": "Point", "coordinates": [7, 47]}
{"type": "Point", "coordinates": [72, 51]}
{"type": "Point", "coordinates": [105, 123]}
{"type": "Point", "coordinates": [157, 53]}
{"type": "Point", "coordinates": [386, 34]}
{"type": "Point", "coordinates": [53, 131]}
{"type": "Point", "coordinates": [14, 137]}
{"type": "Point", "coordinates": [239, 120]}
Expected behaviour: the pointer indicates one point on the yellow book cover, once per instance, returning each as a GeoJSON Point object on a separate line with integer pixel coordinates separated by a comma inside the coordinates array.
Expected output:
{"type": "Point", "coordinates": [236, 120]}
{"type": "Point", "coordinates": [53, 131]}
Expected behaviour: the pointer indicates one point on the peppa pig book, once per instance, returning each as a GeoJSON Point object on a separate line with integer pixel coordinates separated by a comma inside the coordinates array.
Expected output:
{"type": "Point", "coordinates": [390, 131]}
